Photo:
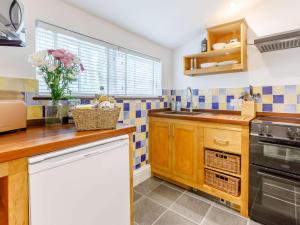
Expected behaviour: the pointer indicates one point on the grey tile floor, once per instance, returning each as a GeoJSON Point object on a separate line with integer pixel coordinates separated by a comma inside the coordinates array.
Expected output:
{"type": "Point", "coordinates": [157, 202]}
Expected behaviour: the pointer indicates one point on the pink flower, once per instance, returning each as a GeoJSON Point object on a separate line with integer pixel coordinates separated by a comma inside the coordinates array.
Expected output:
{"type": "Point", "coordinates": [50, 51]}
{"type": "Point", "coordinates": [81, 67]}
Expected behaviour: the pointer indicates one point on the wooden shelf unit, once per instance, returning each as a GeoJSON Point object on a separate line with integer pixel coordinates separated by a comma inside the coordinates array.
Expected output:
{"type": "Point", "coordinates": [221, 34]}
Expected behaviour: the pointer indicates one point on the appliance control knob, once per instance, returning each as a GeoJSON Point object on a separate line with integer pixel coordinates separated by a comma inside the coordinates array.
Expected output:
{"type": "Point", "coordinates": [268, 130]}
{"type": "Point", "coordinates": [290, 133]}
{"type": "Point", "coordinates": [298, 132]}
{"type": "Point", "coordinates": [260, 129]}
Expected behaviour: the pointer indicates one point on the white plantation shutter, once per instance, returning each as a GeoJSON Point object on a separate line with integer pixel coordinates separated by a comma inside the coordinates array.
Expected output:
{"type": "Point", "coordinates": [117, 70]}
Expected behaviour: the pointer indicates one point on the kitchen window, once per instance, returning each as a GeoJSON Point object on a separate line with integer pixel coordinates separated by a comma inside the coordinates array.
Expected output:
{"type": "Point", "coordinates": [109, 69]}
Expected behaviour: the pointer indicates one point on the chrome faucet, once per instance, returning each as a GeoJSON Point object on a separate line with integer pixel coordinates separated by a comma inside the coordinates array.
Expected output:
{"type": "Point", "coordinates": [190, 94]}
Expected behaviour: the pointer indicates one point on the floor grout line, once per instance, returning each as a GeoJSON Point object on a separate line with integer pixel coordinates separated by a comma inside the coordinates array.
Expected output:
{"type": "Point", "coordinates": [206, 214]}
{"type": "Point", "coordinates": [168, 208]}
{"type": "Point", "coordinates": [231, 211]}
{"type": "Point", "coordinates": [187, 218]}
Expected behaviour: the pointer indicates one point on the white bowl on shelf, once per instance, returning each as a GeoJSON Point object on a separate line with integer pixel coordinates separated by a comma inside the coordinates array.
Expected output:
{"type": "Point", "coordinates": [208, 65]}
{"type": "Point", "coordinates": [226, 63]}
{"type": "Point", "coordinates": [233, 44]}
{"type": "Point", "coordinates": [218, 46]}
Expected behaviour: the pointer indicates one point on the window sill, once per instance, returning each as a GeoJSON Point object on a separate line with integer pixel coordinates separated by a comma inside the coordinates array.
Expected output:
{"type": "Point", "coordinates": [47, 97]}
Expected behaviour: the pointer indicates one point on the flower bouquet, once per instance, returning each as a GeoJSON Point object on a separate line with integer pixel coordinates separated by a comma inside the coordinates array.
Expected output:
{"type": "Point", "coordinates": [59, 68]}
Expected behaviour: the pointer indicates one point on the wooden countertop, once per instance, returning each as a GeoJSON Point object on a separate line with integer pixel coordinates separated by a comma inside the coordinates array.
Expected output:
{"type": "Point", "coordinates": [39, 140]}
{"type": "Point", "coordinates": [206, 116]}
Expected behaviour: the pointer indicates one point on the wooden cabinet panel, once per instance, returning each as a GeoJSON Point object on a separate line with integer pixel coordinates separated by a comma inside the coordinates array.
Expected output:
{"type": "Point", "coordinates": [225, 140]}
{"type": "Point", "coordinates": [184, 151]}
{"type": "Point", "coordinates": [159, 138]}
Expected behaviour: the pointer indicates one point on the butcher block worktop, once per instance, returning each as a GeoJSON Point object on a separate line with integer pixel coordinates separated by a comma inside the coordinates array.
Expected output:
{"type": "Point", "coordinates": [214, 116]}
{"type": "Point", "coordinates": [39, 140]}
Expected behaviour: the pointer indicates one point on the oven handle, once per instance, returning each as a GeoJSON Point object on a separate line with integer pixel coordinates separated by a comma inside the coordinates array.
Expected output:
{"type": "Point", "coordinates": [277, 145]}
{"type": "Point", "coordinates": [290, 179]}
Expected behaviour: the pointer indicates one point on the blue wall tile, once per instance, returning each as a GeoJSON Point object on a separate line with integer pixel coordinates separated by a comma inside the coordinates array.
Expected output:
{"type": "Point", "coordinates": [148, 105]}
{"type": "Point", "coordinates": [143, 128]}
{"type": "Point", "coordinates": [138, 114]}
{"type": "Point", "coordinates": [278, 98]}
{"type": "Point", "coordinates": [202, 98]}
{"type": "Point", "coordinates": [215, 105]}
{"type": "Point", "coordinates": [267, 90]}
{"type": "Point", "coordinates": [267, 107]}
{"type": "Point", "coordinates": [137, 144]}
{"type": "Point", "coordinates": [126, 107]}
{"type": "Point", "coordinates": [143, 158]}
{"type": "Point", "coordinates": [229, 98]}
{"type": "Point", "coordinates": [178, 98]}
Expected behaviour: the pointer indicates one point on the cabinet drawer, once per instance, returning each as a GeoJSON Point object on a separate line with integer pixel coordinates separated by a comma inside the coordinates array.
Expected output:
{"type": "Point", "coordinates": [225, 140]}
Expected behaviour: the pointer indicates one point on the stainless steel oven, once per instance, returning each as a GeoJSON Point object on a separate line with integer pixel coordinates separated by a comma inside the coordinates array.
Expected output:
{"type": "Point", "coordinates": [274, 194]}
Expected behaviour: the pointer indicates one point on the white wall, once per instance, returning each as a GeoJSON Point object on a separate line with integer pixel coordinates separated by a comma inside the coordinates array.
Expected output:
{"type": "Point", "coordinates": [14, 62]}
{"type": "Point", "coordinates": [273, 68]}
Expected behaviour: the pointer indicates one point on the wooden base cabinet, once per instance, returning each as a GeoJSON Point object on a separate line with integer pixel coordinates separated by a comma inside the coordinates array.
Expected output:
{"type": "Point", "coordinates": [177, 153]}
{"type": "Point", "coordinates": [184, 152]}
{"type": "Point", "coordinates": [173, 150]}
{"type": "Point", "coordinates": [14, 193]}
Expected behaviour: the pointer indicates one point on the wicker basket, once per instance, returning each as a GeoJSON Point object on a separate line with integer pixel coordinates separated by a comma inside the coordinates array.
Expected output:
{"type": "Point", "coordinates": [96, 119]}
{"type": "Point", "coordinates": [223, 161]}
{"type": "Point", "coordinates": [228, 184]}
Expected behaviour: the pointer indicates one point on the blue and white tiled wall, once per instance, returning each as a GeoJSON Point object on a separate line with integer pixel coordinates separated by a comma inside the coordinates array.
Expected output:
{"type": "Point", "coordinates": [279, 98]}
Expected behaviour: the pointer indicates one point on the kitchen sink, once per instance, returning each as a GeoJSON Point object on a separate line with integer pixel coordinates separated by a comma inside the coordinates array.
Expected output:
{"type": "Point", "coordinates": [187, 113]}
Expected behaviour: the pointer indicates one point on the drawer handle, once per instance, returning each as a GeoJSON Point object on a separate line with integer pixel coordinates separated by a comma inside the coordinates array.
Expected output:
{"type": "Point", "coordinates": [221, 142]}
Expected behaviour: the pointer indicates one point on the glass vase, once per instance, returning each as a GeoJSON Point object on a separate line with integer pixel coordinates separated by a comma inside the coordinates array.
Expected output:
{"type": "Point", "coordinates": [53, 113]}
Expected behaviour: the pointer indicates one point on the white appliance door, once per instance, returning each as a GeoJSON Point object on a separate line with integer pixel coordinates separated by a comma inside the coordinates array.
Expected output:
{"type": "Point", "coordinates": [85, 185]}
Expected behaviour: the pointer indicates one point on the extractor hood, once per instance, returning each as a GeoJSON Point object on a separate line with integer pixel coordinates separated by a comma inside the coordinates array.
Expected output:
{"type": "Point", "coordinates": [279, 41]}
{"type": "Point", "coordinates": [12, 32]}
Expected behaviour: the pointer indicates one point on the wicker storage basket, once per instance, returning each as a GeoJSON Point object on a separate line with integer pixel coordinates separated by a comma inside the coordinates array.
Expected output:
{"type": "Point", "coordinates": [223, 161]}
{"type": "Point", "coordinates": [96, 119]}
{"type": "Point", "coordinates": [228, 184]}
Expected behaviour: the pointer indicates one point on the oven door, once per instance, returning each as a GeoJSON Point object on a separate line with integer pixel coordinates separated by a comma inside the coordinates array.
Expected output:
{"type": "Point", "coordinates": [281, 155]}
{"type": "Point", "coordinates": [274, 197]}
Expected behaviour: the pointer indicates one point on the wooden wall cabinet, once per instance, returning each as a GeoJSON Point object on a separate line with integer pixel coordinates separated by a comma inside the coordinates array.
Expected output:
{"type": "Point", "coordinates": [221, 34]}
{"type": "Point", "coordinates": [177, 153]}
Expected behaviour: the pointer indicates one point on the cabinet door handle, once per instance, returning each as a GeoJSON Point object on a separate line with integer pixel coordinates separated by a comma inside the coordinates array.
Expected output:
{"type": "Point", "coordinates": [221, 142]}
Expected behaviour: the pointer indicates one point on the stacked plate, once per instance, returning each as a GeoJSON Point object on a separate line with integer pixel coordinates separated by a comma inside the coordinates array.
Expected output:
{"type": "Point", "coordinates": [213, 64]}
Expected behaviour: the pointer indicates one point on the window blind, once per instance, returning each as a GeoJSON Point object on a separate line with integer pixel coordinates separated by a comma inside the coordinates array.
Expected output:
{"type": "Point", "coordinates": [109, 69]}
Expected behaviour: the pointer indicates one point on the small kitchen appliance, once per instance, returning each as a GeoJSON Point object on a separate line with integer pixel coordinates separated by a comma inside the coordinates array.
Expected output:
{"type": "Point", "coordinates": [274, 194]}
{"type": "Point", "coordinates": [13, 115]}
{"type": "Point", "coordinates": [12, 32]}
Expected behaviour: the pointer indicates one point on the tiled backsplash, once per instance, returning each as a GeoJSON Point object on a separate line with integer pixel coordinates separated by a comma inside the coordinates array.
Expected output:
{"type": "Point", "coordinates": [285, 98]}
{"type": "Point", "coordinates": [281, 99]}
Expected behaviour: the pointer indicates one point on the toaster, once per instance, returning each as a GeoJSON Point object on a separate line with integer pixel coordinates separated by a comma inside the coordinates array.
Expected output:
{"type": "Point", "coordinates": [13, 115]}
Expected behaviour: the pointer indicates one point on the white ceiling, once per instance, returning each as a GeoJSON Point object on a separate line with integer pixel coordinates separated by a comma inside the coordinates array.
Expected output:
{"type": "Point", "coordinates": [167, 22]}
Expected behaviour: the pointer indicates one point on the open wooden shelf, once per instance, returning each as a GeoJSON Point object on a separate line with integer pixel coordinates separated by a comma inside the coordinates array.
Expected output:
{"type": "Point", "coordinates": [221, 34]}
{"type": "Point", "coordinates": [214, 53]}
{"type": "Point", "coordinates": [215, 70]}
{"type": "Point", "coordinates": [222, 171]}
